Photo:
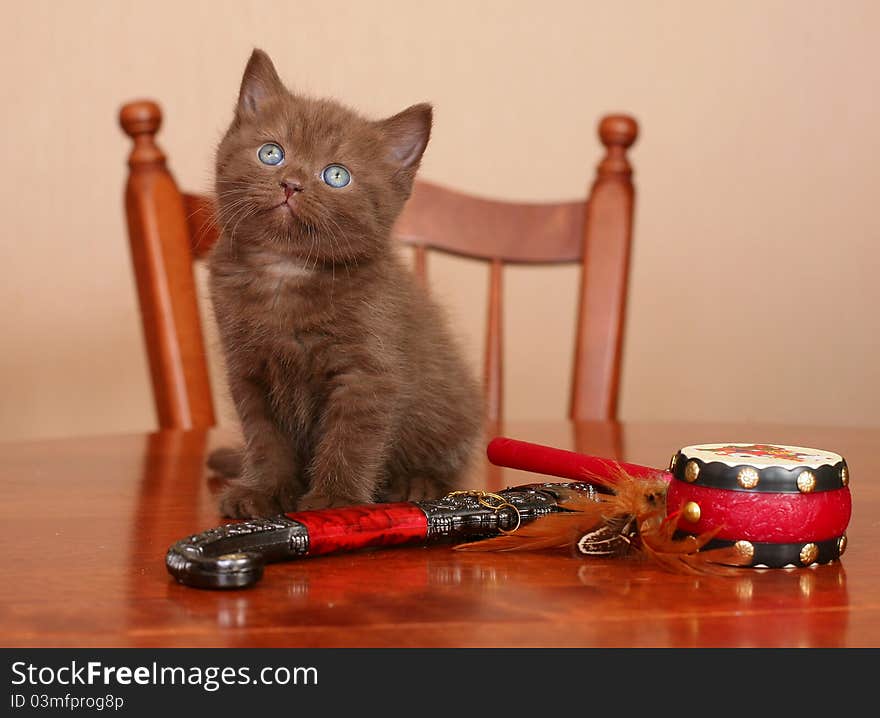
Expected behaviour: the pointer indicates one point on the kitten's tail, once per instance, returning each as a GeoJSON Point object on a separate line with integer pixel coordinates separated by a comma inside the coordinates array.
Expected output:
{"type": "Point", "coordinates": [226, 461]}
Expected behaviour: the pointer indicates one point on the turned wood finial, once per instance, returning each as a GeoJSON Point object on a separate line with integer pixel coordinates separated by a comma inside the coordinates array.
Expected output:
{"type": "Point", "coordinates": [141, 120]}
{"type": "Point", "coordinates": [617, 133]}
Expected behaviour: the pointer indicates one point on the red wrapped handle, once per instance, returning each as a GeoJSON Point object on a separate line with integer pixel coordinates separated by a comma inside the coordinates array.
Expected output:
{"type": "Point", "coordinates": [539, 459]}
{"type": "Point", "coordinates": [356, 527]}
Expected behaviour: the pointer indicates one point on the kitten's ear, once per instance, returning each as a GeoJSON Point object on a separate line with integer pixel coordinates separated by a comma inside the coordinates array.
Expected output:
{"type": "Point", "coordinates": [407, 134]}
{"type": "Point", "coordinates": [259, 84]}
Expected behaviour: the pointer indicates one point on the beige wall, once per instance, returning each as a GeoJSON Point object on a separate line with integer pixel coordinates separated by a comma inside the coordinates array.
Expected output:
{"type": "Point", "coordinates": [753, 279]}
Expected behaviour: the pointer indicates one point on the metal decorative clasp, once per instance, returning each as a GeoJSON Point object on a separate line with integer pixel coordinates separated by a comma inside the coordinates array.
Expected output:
{"type": "Point", "coordinates": [495, 502]}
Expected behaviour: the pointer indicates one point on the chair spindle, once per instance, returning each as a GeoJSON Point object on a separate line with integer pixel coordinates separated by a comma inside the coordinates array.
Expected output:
{"type": "Point", "coordinates": [159, 238]}
{"type": "Point", "coordinates": [493, 374]}
{"type": "Point", "coordinates": [420, 263]}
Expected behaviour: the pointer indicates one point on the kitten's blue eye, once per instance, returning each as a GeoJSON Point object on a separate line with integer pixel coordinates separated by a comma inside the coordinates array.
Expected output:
{"type": "Point", "coordinates": [270, 154]}
{"type": "Point", "coordinates": [336, 176]}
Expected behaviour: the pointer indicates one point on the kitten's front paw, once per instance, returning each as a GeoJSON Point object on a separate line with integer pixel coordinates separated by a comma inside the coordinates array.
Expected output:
{"type": "Point", "coordinates": [245, 502]}
{"type": "Point", "coordinates": [315, 500]}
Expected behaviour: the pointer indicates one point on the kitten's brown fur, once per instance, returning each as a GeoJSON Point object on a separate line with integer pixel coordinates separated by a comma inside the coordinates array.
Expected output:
{"type": "Point", "coordinates": [347, 385]}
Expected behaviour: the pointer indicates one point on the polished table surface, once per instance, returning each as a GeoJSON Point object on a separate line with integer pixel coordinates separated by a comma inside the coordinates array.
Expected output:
{"type": "Point", "coordinates": [87, 523]}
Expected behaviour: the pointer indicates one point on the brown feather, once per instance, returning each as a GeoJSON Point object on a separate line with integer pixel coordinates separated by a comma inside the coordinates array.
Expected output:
{"type": "Point", "coordinates": [719, 562]}
{"type": "Point", "coordinates": [685, 554]}
{"type": "Point", "coordinates": [632, 502]}
{"type": "Point", "coordinates": [552, 531]}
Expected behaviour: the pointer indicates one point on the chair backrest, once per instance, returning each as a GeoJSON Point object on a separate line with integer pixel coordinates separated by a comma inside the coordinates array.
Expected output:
{"type": "Point", "coordinates": [169, 230]}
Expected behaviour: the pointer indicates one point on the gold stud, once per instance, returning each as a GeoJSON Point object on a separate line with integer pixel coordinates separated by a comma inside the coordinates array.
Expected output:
{"type": "Point", "coordinates": [691, 471]}
{"type": "Point", "coordinates": [691, 512]}
{"type": "Point", "coordinates": [809, 553]}
{"type": "Point", "coordinates": [806, 482]}
{"type": "Point", "coordinates": [745, 549]}
{"type": "Point", "coordinates": [841, 545]}
{"type": "Point", "coordinates": [748, 477]}
{"type": "Point", "coordinates": [844, 475]}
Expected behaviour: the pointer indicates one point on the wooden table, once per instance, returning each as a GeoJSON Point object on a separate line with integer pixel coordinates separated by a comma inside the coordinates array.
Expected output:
{"type": "Point", "coordinates": [88, 522]}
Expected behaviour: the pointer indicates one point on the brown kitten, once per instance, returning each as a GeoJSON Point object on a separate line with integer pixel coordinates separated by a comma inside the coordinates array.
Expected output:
{"type": "Point", "coordinates": [348, 387]}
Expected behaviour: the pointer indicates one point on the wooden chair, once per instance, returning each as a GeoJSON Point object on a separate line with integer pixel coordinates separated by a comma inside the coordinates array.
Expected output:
{"type": "Point", "coordinates": [169, 230]}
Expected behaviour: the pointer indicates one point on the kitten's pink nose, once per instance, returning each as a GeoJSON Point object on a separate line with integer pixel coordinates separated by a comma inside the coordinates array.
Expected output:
{"type": "Point", "coordinates": [290, 186]}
